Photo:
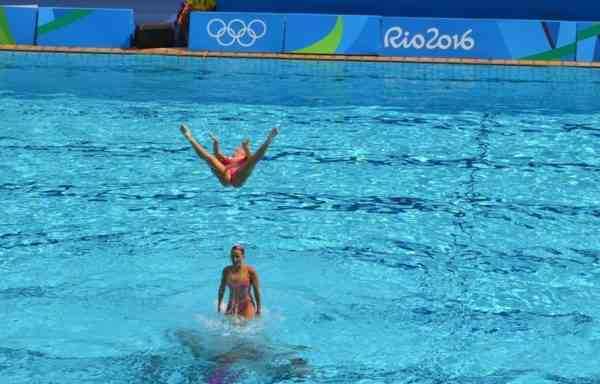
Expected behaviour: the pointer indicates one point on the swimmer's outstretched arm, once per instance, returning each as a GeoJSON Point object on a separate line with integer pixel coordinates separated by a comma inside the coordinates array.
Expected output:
{"type": "Point", "coordinates": [221, 289]}
{"type": "Point", "coordinates": [216, 147]}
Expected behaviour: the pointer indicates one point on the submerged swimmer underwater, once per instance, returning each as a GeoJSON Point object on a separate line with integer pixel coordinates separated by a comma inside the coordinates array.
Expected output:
{"type": "Point", "coordinates": [237, 357]}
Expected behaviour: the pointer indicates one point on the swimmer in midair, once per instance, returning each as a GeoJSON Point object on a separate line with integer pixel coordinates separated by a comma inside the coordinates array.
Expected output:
{"type": "Point", "coordinates": [235, 170]}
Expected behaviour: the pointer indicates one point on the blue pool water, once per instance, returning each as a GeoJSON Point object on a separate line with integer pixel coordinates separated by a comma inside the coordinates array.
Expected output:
{"type": "Point", "coordinates": [410, 224]}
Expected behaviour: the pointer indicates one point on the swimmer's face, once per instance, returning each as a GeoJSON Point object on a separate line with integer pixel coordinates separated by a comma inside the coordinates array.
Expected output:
{"type": "Point", "coordinates": [237, 256]}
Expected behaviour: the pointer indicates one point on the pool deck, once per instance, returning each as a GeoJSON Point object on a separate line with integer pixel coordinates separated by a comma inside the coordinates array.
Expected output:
{"type": "Point", "coordinates": [286, 56]}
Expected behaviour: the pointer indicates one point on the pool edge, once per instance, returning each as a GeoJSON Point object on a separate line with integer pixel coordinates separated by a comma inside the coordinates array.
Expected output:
{"type": "Point", "coordinates": [183, 52]}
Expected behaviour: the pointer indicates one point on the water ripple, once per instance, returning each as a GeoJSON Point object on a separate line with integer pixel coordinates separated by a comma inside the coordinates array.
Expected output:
{"type": "Point", "coordinates": [25, 292]}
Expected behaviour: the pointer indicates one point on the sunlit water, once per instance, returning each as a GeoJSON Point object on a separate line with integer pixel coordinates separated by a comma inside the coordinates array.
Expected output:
{"type": "Point", "coordinates": [410, 224]}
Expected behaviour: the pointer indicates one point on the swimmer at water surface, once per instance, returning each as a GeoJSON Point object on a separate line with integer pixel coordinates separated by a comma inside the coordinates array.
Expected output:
{"type": "Point", "coordinates": [235, 170]}
{"type": "Point", "coordinates": [240, 278]}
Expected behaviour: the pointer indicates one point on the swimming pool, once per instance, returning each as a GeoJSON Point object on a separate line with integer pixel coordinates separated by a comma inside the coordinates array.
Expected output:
{"type": "Point", "coordinates": [411, 223]}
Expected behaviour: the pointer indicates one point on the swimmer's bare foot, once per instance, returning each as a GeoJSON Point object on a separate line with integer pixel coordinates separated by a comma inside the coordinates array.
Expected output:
{"type": "Point", "coordinates": [272, 134]}
{"type": "Point", "coordinates": [187, 133]}
{"type": "Point", "coordinates": [214, 138]}
{"type": "Point", "coordinates": [246, 147]}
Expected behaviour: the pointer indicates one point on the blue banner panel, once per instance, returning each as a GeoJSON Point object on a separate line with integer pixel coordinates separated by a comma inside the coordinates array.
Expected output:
{"type": "Point", "coordinates": [17, 24]}
{"type": "Point", "coordinates": [162, 10]}
{"type": "Point", "coordinates": [582, 10]}
{"type": "Point", "coordinates": [85, 27]}
{"type": "Point", "coordinates": [236, 32]}
{"type": "Point", "coordinates": [481, 39]}
{"type": "Point", "coordinates": [333, 34]}
{"type": "Point", "coordinates": [588, 41]}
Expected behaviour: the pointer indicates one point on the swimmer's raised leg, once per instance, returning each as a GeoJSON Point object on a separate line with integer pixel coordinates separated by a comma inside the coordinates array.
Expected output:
{"type": "Point", "coordinates": [216, 166]}
{"type": "Point", "coordinates": [246, 170]}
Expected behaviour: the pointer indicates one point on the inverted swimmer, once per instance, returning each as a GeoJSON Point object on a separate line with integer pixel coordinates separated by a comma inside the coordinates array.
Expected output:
{"type": "Point", "coordinates": [231, 171]}
{"type": "Point", "coordinates": [240, 277]}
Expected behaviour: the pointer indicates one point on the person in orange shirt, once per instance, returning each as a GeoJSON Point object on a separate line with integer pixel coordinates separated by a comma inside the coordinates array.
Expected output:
{"type": "Point", "coordinates": [183, 16]}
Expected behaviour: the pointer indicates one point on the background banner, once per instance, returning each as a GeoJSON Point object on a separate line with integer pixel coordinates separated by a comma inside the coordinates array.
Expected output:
{"type": "Point", "coordinates": [588, 41]}
{"type": "Point", "coordinates": [76, 27]}
{"type": "Point", "coordinates": [583, 10]}
{"type": "Point", "coordinates": [236, 32]}
{"type": "Point", "coordinates": [144, 10]}
{"type": "Point", "coordinates": [483, 39]}
{"type": "Point", "coordinates": [331, 34]}
{"type": "Point", "coordinates": [17, 25]}
{"type": "Point", "coordinates": [160, 10]}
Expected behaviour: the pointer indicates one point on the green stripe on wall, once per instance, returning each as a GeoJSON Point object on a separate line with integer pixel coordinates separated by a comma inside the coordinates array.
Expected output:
{"type": "Point", "coordinates": [328, 44]}
{"type": "Point", "coordinates": [592, 31]}
{"type": "Point", "coordinates": [554, 54]}
{"type": "Point", "coordinates": [5, 35]}
{"type": "Point", "coordinates": [63, 21]}
{"type": "Point", "coordinates": [559, 53]}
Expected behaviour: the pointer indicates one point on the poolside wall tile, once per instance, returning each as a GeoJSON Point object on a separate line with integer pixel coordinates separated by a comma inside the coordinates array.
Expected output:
{"type": "Point", "coordinates": [17, 24]}
{"type": "Point", "coordinates": [481, 39]}
{"type": "Point", "coordinates": [236, 32]}
{"type": "Point", "coordinates": [85, 27]}
{"type": "Point", "coordinates": [332, 34]}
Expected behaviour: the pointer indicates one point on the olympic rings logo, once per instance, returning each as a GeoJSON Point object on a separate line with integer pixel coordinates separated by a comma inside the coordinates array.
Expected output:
{"type": "Point", "coordinates": [236, 31]}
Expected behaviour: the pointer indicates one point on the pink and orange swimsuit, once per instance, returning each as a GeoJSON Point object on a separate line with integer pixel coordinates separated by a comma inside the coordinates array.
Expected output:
{"type": "Point", "coordinates": [240, 302]}
{"type": "Point", "coordinates": [232, 165]}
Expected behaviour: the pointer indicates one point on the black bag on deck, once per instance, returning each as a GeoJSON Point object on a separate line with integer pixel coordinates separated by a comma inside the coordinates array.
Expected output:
{"type": "Point", "coordinates": [155, 35]}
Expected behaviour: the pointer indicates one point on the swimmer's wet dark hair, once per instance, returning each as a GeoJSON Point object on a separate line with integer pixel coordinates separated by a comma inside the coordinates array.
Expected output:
{"type": "Point", "coordinates": [240, 247]}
